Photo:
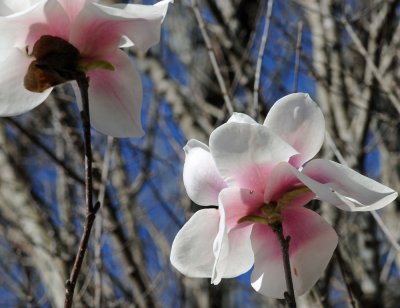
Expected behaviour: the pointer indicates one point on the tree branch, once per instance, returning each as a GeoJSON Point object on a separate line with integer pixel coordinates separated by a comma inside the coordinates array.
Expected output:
{"type": "Point", "coordinates": [92, 209]}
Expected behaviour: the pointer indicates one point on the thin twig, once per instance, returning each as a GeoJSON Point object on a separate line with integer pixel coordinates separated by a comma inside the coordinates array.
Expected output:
{"type": "Point", "coordinates": [284, 241]}
{"type": "Point", "coordinates": [374, 69]}
{"type": "Point", "coordinates": [260, 57]}
{"type": "Point", "coordinates": [36, 141]}
{"type": "Point", "coordinates": [385, 230]}
{"type": "Point", "coordinates": [297, 59]}
{"type": "Point", "coordinates": [212, 56]}
{"type": "Point", "coordinates": [345, 274]}
{"type": "Point", "coordinates": [98, 229]}
{"type": "Point", "coordinates": [83, 84]}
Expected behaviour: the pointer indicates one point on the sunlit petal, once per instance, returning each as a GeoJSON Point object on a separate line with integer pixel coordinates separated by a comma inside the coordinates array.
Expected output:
{"type": "Point", "coordinates": [344, 187]}
{"type": "Point", "coordinates": [312, 243]}
{"type": "Point", "coordinates": [14, 98]}
{"type": "Point", "coordinates": [241, 118]}
{"type": "Point", "coordinates": [246, 153]}
{"type": "Point", "coordinates": [98, 29]}
{"type": "Point", "coordinates": [232, 250]}
{"type": "Point", "coordinates": [298, 121]}
{"type": "Point", "coordinates": [196, 260]}
{"type": "Point", "coordinates": [200, 175]}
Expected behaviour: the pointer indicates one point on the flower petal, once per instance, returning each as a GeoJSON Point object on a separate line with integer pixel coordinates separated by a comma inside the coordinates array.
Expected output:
{"type": "Point", "coordinates": [282, 180]}
{"type": "Point", "coordinates": [344, 187]}
{"type": "Point", "coordinates": [232, 250]}
{"type": "Point", "coordinates": [25, 27]}
{"type": "Point", "coordinates": [55, 22]}
{"type": "Point", "coordinates": [200, 175]}
{"type": "Point", "coordinates": [312, 243]}
{"type": "Point", "coordinates": [98, 29]}
{"type": "Point", "coordinates": [15, 28]}
{"type": "Point", "coordinates": [14, 98]}
{"type": "Point", "coordinates": [192, 249]}
{"type": "Point", "coordinates": [238, 203]}
{"type": "Point", "coordinates": [241, 118]}
{"type": "Point", "coordinates": [300, 122]}
{"type": "Point", "coordinates": [8, 7]}
{"type": "Point", "coordinates": [74, 7]}
{"type": "Point", "coordinates": [115, 98]}
{"type": "Point", "coordinates": [245, 153]}
{"type": "Point", "coordinates": [235, 256]}
{"type": "Point", "coordinates": [145, 30]}
{"type": "Point", "coordinates": [232, 246]}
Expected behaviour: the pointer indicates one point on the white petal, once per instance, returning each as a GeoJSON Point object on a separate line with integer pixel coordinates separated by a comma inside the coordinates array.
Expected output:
{"type": "Point", "coordinates": [8, 7]}
{"type": "Point", "coordinates": [344, 187]}
{"type": "Point", "coordinates": [232, 250]}
{"type": "Point", "coordinates": [99, 25]}
{"type": "Point", "coordinates": [241, 118]}
{"type": "Point", "coordinates": [200, 175]}
{"type": "Point", "coordinates": [115, 98]}
{"type": "Point", "coordinates": [14, 98]}
{"type": "Point", "coordinates": [16, 28]}
{"type": "Point", "coordinates": [246, 153]}
{"type": "Point", "coordinates": [146, 30]}
{"type": "Point", "coordinates": [237, 255]}
{"type": "Point", "coordinates": [312, 243]}
{"type": "Point", "coordinates": [300, 122]}
{"type": "Point", "coordinates": [192, 249]}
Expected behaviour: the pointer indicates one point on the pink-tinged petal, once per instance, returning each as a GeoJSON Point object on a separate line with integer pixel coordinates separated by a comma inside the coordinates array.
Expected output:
{"type": "Point", "coordinates": [14, 98]}
{"type": "Point", "coordinates": [8, 7]}
{"type": "Point", "coordinates": [312, 243]}
{"type": "Point", "coordinates": [192, 249]}
{"type": "Point", "coordinates": [232, 250]}
{"type": "Point", "coordinates": [344, 187]}
{"type": "Point", "coordinates": [73, 7]}
{"type": "Point", "coordinates": [241, 118]}
{"type": "Point", "coordinates": [15, 28]}
{"type": "Point", "coordinates": [98, 29]}
{"type": "Point", "coordinates": [115, 98]}
{"type": "Point", "coordinates": [238, 203]}
{"type": "Point", "coordinates": [94, 33]}
{"type": "Point", "coordinates": [236, 257]}
{"type": "Point", "coordinates": [200, 175]}
{"type": "Point", "coordinates": [246, 153]}
{"type": "Point", "coordinates": [49, 19]}
{"type": "Point", "coordinates": [300, 122]}
{"type": "Point", "coordinates": [283, 180]}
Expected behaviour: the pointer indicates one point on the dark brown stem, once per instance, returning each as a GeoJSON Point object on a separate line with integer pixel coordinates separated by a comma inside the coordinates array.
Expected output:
{"type": "Point", "coordinates": [284, 241]}
{"type": "Point", "coordinates": [92, 209]}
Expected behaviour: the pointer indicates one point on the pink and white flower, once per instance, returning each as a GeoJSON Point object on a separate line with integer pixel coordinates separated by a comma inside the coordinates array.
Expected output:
{"type": "Point", "coordinates": [97, 32]}
{"type": "Point", "coordinates": [258, 175]}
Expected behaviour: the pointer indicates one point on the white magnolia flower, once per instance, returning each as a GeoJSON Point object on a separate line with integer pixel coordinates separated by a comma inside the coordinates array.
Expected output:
{"type": "Point", "coordinates": [82, 33]}
{"type": "Point", "coordinates": [259, 175]}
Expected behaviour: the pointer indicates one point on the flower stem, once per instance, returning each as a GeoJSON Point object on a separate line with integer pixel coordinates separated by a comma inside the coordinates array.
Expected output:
{"type": "Point", "coordinates": [284, 241]}
{"type": "Point", "coordinates": [92, 209]}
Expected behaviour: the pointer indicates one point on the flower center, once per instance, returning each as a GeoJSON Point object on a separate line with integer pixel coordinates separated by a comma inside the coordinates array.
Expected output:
{"type": "Point", "coordinates": [271, 213]}
{"type": "Point", "coordinates": [57, 61]}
